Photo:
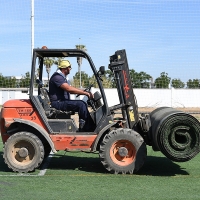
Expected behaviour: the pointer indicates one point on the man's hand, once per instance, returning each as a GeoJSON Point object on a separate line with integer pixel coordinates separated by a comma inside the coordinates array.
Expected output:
{"type": "Point", "coordinates": [89, 95]}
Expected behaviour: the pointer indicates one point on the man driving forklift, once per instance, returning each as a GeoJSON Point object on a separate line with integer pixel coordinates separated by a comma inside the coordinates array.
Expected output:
{"type": "Point", "coordinates": [59, 94]}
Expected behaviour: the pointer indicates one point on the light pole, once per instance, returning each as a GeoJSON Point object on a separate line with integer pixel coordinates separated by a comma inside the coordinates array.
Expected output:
{"type": "Point", "coordinates": [32, 27]}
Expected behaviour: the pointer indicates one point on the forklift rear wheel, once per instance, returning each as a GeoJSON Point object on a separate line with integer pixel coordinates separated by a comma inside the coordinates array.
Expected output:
{"type": "Point", "coordinates": [23, 152]}
{"type": "Point", "coordinates": [123, 151]}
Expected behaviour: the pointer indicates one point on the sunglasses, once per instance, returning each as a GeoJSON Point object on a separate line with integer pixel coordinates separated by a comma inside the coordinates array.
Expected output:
{"type": "Point", "coordinates": [70, 67]}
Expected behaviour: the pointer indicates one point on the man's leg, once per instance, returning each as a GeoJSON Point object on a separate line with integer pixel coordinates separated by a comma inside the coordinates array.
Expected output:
{"type": "Point", "coordinates": [80, 107]}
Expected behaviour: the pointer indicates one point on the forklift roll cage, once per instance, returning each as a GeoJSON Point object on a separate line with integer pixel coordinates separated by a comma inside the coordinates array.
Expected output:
{"type": "Point", "coordinates": [118, 65]}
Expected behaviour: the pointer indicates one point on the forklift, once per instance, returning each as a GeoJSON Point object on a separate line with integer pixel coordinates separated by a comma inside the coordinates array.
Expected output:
{"type": "Point", "coordinates": [31, 128]}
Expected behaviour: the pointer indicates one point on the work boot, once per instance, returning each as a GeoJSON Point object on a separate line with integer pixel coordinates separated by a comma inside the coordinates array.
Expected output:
{"type": "Point", "coordinates": [81, 125]}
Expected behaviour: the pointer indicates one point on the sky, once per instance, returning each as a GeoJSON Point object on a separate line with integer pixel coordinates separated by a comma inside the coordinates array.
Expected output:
{"type": "Point", "coordinates": [158, 35]}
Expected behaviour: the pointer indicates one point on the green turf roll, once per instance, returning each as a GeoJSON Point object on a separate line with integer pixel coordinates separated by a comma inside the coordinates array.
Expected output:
{"type": "Point", "coordinates": [176, 134]}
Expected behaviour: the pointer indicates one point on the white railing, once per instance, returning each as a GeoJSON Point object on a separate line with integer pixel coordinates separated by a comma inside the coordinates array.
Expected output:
{"type": "Point", "coordinates": [145, 97]}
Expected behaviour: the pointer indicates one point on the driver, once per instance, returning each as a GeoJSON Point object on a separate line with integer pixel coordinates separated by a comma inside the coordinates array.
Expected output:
{"type": "Point", "coordinates": [59, 94]}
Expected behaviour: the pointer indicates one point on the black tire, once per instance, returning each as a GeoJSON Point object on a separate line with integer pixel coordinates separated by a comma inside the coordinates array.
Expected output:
{"type": "Point", "coordinates": [47, 149]}
{"type": "Point", "coordinates": [23, 152]}
{"type": "Point", "coordinates": [47, 152]}
{"type": "Point", "coordinates": [123, 151]}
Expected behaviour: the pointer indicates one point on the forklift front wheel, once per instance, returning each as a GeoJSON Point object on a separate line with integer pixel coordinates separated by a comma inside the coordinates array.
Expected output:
{"type": "Point", "coordinates": [123, 151]}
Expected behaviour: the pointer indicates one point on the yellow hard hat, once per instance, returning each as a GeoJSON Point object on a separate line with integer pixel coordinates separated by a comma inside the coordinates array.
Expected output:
{"type": "Point", "coordinates": [64, 64]}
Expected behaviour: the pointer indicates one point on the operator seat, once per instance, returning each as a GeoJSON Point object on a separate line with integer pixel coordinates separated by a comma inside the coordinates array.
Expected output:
{"type": "Point", "coordinates": [51, 112]}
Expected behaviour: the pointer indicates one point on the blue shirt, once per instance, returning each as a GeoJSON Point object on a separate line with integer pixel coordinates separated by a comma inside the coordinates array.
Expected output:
{"type": "Point", "coordinates": [56, 93]}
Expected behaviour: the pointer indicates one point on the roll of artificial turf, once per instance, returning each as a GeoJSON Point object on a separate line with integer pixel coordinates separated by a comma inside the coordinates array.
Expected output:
{"type": "Point", "coordinates": [175, 133]}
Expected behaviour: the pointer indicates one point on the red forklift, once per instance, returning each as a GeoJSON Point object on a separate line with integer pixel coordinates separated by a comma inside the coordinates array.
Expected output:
{"type": "Point", "coordinates": [31, 128]}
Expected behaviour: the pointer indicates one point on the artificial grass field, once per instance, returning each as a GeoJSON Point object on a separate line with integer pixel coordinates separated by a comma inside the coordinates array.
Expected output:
{"type": "Point", "coordinates": [81, 176]}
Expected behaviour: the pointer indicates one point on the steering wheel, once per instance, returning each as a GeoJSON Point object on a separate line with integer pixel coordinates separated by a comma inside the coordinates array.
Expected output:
{"type": "Point", "coordinates": [89, 101]}
{"type": "Point", "coordinates": [86, 89]}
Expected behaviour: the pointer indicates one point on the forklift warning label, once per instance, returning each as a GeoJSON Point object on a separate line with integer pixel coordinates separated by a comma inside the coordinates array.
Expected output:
{"type": "Point", "coordinates": [126, 87]}
{"type": "Point", "coordinates": [131, 115]}
{"type": "Point", "coordinates": [24, 111]}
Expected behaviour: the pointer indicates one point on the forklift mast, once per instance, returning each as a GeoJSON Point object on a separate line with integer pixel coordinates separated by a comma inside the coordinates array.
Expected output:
{"type": "Point", "coordinates": [119, 66]}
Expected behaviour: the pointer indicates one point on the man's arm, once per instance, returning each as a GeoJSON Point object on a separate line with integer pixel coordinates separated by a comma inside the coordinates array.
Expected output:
{"type": "Point", "coordinates": [73, 90]}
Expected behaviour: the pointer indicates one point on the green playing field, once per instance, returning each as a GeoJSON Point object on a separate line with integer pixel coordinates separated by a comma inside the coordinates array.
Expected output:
{"type": "Point", "coordinates": [80, 175]}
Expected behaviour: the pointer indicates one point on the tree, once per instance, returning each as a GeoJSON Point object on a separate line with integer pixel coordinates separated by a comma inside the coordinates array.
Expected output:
{"type": "Point", "coordinates": [1, 80]}
{"type": "Point", "coordinates": [76, 78]}
{"type": "Point", "coordinates": [48, 62]}
{"type": "Point", "coordinates": [7, 82]}
{"type": "Point", "coordinates": [79, 60]}
{"type": "Point", "coordinates": [12, 82]}
{"type": "Point", "coordinates": [177, 83]}
{"type": "Point", "coordinates": [162, 81]}
{"type": "Point", "coordinates": [25, 80]}
{"type": "Point", "coordinates": [105, 82]}
{"type": "Point", "coordinates": [194, 84]}
{"type": "Point", "coordinates": [140, 80]}
{"type": "Point", "coordinates": [58, 60]}
{"type": "Point", "coordinates": [109, 76]}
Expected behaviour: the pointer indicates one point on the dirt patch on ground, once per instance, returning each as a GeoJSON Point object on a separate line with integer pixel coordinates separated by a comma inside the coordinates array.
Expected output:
{"type": "Point", "coordinates": [187, 110]}
{"type": "Point", "coordinates": [147, 110]}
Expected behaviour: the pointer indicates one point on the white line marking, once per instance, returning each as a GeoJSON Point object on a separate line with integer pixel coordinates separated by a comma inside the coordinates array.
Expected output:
{"type": "Point", "coordinates": [42, 171]}
{"type": "Point", "coordinates": [19, 175]}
